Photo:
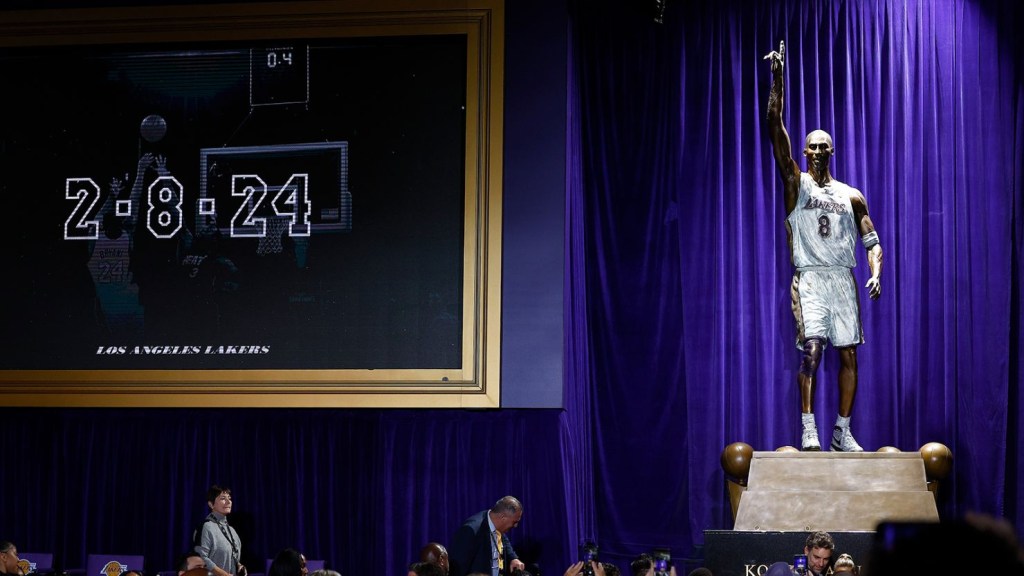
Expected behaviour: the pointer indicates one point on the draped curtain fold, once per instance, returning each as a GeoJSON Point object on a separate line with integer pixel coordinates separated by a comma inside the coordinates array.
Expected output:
{"type": "Point", "coordinates": [577, 440]}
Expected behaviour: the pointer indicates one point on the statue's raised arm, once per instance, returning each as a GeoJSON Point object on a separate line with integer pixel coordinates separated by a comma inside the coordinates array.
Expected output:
{"type": "Point", "coordinates": [782, 148]}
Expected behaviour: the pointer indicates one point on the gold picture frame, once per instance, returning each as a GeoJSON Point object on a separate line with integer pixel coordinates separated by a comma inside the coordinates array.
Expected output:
{"type": "Point", "coordinates": [474, 382]}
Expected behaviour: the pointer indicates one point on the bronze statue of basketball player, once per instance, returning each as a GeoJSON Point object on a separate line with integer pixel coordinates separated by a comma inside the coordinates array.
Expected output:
{"type": "Point", "coordinates": [824, 217]}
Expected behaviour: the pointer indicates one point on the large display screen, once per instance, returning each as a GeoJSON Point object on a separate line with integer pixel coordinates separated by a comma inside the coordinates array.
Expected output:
{"type": "Point", "coordinates": [266, 204]}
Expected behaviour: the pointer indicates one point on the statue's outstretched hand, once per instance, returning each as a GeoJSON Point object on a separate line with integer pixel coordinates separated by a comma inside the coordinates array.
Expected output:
{"type": "Point", "coordinates": [777, 59]}
{"type": "Point", "coordinates": [874, 287]}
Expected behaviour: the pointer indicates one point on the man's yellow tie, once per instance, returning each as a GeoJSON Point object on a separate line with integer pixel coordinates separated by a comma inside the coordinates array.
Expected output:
{"type": "Point", "coordinates": [498, 545]}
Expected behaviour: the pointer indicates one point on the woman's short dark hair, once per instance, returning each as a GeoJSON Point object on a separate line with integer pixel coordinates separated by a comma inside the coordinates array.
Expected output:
{"type": "Point", "coordinates": [214, 491]}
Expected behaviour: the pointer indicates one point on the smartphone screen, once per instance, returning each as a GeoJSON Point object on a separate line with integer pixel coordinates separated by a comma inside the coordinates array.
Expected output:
{"type": "Point", "coordinates": [662, 558]}
{"type": "Point", "coordinates": [588, 552]}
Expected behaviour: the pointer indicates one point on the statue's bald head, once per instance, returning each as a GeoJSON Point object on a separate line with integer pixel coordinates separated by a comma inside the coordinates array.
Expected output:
{"type": "Point", "coordinates": [817, 135]}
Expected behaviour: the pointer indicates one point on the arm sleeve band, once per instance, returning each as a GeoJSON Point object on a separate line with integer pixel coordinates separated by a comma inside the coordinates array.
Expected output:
{"type": "Point", "coordinates": [870, 240]}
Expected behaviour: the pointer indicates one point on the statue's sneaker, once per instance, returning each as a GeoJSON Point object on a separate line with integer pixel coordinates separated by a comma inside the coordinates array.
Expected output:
{"type": "Point", "coordinates": [809, 440]}
{"type": "Point", "coordinates": [843, 441]}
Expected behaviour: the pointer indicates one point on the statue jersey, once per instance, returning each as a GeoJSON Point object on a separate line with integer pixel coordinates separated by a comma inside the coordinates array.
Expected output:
{"type": "Point", "coordinates": [821, 225]}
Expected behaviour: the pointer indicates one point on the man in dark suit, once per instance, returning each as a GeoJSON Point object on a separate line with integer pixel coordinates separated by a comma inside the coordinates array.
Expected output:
{"type": "Point", "coordinates": [481, 544]}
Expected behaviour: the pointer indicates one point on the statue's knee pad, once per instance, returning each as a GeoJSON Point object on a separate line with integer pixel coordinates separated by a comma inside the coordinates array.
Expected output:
{"type": "Point", "coordinates": [811, 356]}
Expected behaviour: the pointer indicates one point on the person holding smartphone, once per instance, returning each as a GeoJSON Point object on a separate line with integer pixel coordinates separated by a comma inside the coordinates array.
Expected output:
{"type": "Point", "coordinates": [818, 548]}
{"type": "Point", "coordinates": [814, 561]}
{"type": "Point", "coordinates": [577, 568]}
{"type": "Point", "coordinates": [647, 564]}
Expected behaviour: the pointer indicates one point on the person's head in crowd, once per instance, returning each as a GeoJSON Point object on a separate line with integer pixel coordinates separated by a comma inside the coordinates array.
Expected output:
{"type": "Point", "coordinates": [978, 544]}
{"type": "Point", "coordinates": [611, 569]}
{"type": "Point", "coordinates": [288, 562]}
{"type": "Point", "coordinates": [818, 547]}
{"type": "Point", "coordinates": [641, 565]}
{"type": "Point", "coordinates": [324, 572]}
{"type": "Point", "coordinates": [9, 558]}
{"type": "Point", "coordinates": [506, 513]}
{"type": "Point", "coordinates": [435, 553]}
{"type": "Point", "coordinates": [188, 562]}
{"type": "Point", "coordinates": [218, 498]}
{"type": "Point", "coordinates": [845, 564]}
{"type": "Point", "coordinates": [702, 571]}
{"type": "Point", "coordinates": [132, 573]}
{"type": "Point", "coordinates": [425, 569]}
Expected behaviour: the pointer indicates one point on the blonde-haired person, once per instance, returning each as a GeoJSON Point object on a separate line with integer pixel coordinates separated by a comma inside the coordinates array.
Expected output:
{"type": "Point", "coordinates": [845, 564]}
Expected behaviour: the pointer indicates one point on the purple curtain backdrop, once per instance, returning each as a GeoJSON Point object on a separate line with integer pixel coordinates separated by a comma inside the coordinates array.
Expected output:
{"type": "Point", "coordinates": [679, 338]}
{"type": "Point", "coordinates": [362, 490]}
{"type": "Point", "coordinates": [687, 267]}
